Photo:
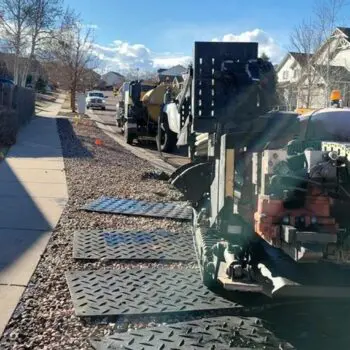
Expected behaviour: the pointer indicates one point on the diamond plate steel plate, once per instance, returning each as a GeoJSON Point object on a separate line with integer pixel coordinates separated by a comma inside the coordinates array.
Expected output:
{"type": "Point", "coordinates": [176, 210]}
{"type": "Point", "coordinates": [141, 291]}
{"type": "Point", "coordinates": [210, 333]}
{"type": "Point", "coordinates": [132, 245]}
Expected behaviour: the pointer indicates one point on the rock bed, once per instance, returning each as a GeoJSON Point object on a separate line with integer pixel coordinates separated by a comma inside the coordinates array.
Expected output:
{"type": "Point", "coordinates": [44, 319]}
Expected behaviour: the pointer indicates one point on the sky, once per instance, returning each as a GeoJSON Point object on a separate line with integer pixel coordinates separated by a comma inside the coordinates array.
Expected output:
{"type": "Point", "coordinates": [146, 35]}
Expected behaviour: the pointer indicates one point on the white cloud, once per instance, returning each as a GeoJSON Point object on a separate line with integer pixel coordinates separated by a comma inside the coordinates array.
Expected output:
{"type": "Point", "coordinates": [170, 61]}
{"type": "Point", "coordinates": [266, 42]}
{"type": "Point", "coordinates": [123, 56]}
{"type": "Point", "coordinates": [92, 26]}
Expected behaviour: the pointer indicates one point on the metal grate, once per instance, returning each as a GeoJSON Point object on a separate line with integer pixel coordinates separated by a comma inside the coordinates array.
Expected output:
{"type": "Point", "coordinates": [179, 211]}
{"type": "Point", "coordinates": [210, 93]}
{"type": "Point", "coordinates": [132, 245]}
{"type": "Point", "coordinates": [141, 291]}
{"type": "Point", "coordinates": [209, 333]}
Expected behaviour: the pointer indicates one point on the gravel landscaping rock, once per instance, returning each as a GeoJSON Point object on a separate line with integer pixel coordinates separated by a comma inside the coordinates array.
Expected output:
{"type": "Point", "coordinates": [44, 319]}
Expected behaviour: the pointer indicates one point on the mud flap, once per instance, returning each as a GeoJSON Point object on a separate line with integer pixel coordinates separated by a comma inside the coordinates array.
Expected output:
{"type": "Point", "coordinates": [193, 180]}
{"type": "Point", "coordinates": [182, 139]}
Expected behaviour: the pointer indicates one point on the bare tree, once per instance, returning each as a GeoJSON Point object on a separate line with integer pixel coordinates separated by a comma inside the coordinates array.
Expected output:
{"type": "Point", "coordinates": [72, 50]}
{"type": "Point", "coordinates": [314, 39]}
{"type": "Point", "coordinates": [328, 14]}
{"type": "Point", "coordinates": [43, 16]}
{"type": "Point", "coordinates": [306, 39]}
{"type": "Point", "coordinates": [14, 26]}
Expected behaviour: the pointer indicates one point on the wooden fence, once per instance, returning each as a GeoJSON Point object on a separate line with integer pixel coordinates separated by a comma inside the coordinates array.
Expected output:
{"type": "Point", "coordinates": [19, 99]}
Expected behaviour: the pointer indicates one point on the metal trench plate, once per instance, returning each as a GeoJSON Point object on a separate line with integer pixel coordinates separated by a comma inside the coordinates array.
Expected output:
{"type": "Point", "coordinates": [132, 245]}
{"type": "Point", "coordinates": [141, 291]}
{"type": "Point", "coordinates": [224, 332]}
{"type": "Point", "coordinates": [179, 210]}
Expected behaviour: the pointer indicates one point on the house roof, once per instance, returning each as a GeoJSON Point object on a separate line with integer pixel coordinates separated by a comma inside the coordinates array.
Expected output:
{"type": "Point", "coordinates": [339, 73]}
{"type": "Point", "coordinates": [174, 71]}
{"type": "Point", "coordinates": [345, 30]}
{"type": "Point", "coordinates": [179, 78]}
{"type": "Point", "coordinates": [300, 57]}
{"type": "Point", "coordinates": [115, 73]}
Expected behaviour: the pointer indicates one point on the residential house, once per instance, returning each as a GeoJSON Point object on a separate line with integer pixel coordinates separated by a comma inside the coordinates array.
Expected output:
{"type": "Point", "coordinates": [35, 71]}
{"type": "Point", "coordinates": [178, 82]}
{"type": "Point", "coordinates": [168, 75]}
{"type": "Point", "coordinates": [331, 70]}
{"type": "Point", "coordinates": [89, 80]}
{"type": "Point", "coordinates": [112, 79]}
{"type": "Point", "coordinates": [59, 76]}
{"type": "Point", "coordinates": [305, 81]}
{"type": "Point", "coordinates": [288, 75]}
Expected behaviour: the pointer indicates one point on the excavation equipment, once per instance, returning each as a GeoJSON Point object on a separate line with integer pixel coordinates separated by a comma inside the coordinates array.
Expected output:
{"type": "Point", "coordinates": [142, 114]}
{"type": "Point", "coordinates": [269, 189]}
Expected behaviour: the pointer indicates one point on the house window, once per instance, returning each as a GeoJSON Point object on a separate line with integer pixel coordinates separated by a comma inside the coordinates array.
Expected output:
{"type": "Point", "coordinates": [285, 74]}
{"type": "Point", "coordinates": [296, 73]}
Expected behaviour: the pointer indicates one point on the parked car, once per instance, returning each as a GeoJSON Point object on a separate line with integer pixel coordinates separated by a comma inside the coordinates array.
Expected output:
{"type": "Point", "coordinates": [95, 99]}
{"type": "Point", "coordinates": [5, 81]}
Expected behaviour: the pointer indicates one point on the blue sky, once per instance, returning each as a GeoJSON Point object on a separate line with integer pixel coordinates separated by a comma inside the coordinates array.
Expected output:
{"type": "Point", "coordinates": [156, 33]}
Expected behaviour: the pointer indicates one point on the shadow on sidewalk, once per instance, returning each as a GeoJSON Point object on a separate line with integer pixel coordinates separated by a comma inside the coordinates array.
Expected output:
{"type": "Point", "coordinates": [33, 194]}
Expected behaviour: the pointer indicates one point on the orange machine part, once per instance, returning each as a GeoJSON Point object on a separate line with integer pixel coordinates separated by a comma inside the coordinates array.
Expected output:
{"type": "Point", "coordinates": [270, 212]}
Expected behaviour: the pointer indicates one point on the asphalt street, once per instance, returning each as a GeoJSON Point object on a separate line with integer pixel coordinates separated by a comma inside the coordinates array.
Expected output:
{"type": "Point", "coordinates": [107, 118]}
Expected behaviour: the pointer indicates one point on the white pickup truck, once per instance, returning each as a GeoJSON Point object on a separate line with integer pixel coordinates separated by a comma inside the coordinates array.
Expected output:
{"type": "Point", "coordinates": [95, 99]}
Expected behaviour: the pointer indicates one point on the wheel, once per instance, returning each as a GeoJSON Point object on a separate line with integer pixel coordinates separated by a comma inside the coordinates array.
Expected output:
{"type": "Point", "coordinates": [87, 107]}
{"type": "Point", "coordinates": [103, 108]}
{"type": "Point", "coordinates": [208, 276]}
{"type": "Point", "coordinates": [166, 139]}
{"type": "Point", "coordinates": [128, 136]}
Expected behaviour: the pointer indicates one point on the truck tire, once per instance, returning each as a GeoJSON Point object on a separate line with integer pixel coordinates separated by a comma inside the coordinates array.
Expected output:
{"type": "Point", "coordinates": [128, 136]}
{"type": "Point", "coordinates": [165, 137]}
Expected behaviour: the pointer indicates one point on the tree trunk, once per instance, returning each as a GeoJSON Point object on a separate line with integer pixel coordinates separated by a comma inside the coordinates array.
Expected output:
{"type": "Point", "coordinates": [26, 70]}
{"type": "Point", "coordinates": [16, 67]}
{"type": "Point", "coordinates": [72, 97]}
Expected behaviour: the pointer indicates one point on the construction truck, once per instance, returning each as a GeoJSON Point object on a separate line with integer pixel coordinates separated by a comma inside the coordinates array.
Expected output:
{"type": "Point", "coordinates": [269, 190]}
{"type": "Point", "coordinates": [142, 114]}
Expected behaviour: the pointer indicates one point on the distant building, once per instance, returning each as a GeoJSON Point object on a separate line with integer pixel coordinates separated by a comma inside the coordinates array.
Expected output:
{"type": "Point", "coordinates": [168, 75]}
{"type": "Point", "coordinates": [289, 72]}
{"type": "Point", "coordinates": [58, 76]}
{"type": "Point", "coordinates": [35, 71]}
{"type": "Point", "coordinates": [178, 82]}
{"type": "Point", "coordinates": [306, 80]}
{"type": "Point", "coordinates": [112, 79]}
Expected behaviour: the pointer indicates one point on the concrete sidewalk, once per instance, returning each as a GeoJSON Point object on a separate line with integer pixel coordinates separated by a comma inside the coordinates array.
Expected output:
{"type": "Point", "coordinates": [33, 193]}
